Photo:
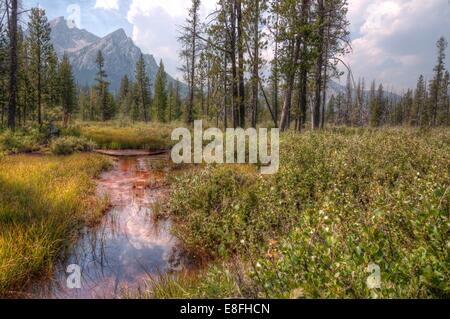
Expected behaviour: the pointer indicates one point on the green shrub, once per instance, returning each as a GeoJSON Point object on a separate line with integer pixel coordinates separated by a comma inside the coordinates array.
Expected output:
{"type": "Point", "coordinates": [69, 144]}
{"type": "Point", "coordinates": [20, 142]}
{"type": "Point", "coordinates": [343, 199]}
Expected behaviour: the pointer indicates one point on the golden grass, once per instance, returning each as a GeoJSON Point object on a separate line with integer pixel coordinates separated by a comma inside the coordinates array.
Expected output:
{"type": "Point", "coordinates": [43, 202]}
{"type": "Point", "coordinates": [152, 136]}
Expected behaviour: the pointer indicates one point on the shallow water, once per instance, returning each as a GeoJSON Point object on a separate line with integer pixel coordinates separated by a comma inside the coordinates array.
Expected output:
{"type": "Point", "coordinates": [129, 246]}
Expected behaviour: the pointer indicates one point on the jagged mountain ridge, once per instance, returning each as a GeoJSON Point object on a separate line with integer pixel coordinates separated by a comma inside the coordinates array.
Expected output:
{"type": "Point", "coordinates": [119, 51]}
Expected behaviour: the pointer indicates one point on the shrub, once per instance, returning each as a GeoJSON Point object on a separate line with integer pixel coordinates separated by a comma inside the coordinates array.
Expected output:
{"type": "Point", "coordinates": [343, 199]}
{"type": "Point", "coordinates": [70, 144]}
{"type": "Point", "coordinates": [20, 142]}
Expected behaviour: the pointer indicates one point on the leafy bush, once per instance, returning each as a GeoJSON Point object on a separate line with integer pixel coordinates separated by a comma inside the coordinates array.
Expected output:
{"type": "Point", "coordinates": [343, 199]}
{"type": "Point", "coordinates": [20, 142]}
{"type": "Point", "coordinates": [70, 144]}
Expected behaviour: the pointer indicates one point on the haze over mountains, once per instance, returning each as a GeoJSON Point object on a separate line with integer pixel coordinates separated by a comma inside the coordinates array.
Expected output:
{"type": "Point", "coordinates": [119, 51]}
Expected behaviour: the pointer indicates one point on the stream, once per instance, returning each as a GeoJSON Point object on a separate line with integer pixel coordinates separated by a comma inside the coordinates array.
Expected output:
{"type": "Point", "coordinates": [130, 246]}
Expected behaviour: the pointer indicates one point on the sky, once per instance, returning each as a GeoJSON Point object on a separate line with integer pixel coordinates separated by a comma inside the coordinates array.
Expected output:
{"type": "Point", "coordinates": [393, 41]}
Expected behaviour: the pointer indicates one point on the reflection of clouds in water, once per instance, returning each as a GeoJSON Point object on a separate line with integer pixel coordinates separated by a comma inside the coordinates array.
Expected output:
{"type": "Point", "coordinates": [129, 245]}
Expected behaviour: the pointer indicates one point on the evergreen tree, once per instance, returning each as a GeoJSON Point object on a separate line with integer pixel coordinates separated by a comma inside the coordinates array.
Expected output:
{"type": "Point", "coordinates": [170, 101]}
{"type": "Point", "coordinates": [68, 89]}
{"type": "Point", "coordinates": [102, 88]}
{"type": "Point", "coordinates": [177, 111]}
{"type": "Point", "coordinates": [160, 98]}
{"type": "Point", "coordinates": [331, 110]}
{"type": "Point", "coordinates": [84, 105]}
{"type": "Point", "coordinates": [436, 84]}
{"type": "Point", "coordinates": [445, 114]}
{"type": "Point", "coordinates": [421, 111]}
{"type": "Point", "coordinates": [40, 50]}
{"type": "Point", "coordinates": [189, 41]}
{"type": "Point", "coordinates": [142, 91]}
{"type": "Point", "coordinates": [52, 88]}
{"type": "Point", "coordinates": [374, 107]}
{"type": "Point", "coordinates": [125, 96]}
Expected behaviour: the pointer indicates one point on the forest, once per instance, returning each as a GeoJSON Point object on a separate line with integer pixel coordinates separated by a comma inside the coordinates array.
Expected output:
{"type": "Point", "coordinates": [364, 173]}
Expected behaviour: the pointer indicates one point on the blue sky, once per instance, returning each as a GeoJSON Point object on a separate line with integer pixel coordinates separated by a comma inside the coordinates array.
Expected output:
{"type": "Point", "coordinates": [393, 40]}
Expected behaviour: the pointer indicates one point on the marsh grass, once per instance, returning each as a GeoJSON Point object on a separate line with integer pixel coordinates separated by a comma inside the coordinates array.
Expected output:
{"type": "Point", "coordinates": [44, 200]}
{"type": "Point", "coordinates": [343, 199]}
{"type": "Point", "coordinates": [152, 136]}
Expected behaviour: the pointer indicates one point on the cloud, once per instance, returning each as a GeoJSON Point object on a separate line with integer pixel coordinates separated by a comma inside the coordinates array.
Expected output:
{"type": "Point", "coordinates": [107, 4]}
{"type": "Point", "coordinates": [394, 41]}
{"type": "Point", "coordinates": [156, 25]}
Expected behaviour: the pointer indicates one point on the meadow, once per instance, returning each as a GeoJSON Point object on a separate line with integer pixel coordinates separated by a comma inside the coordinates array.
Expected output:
{"type": "Point", "coordinates": [87, 136]}
{"type": "Point", "coordinates": [44, 200]}
{"type": "Point", "coordinates": [343, 199]}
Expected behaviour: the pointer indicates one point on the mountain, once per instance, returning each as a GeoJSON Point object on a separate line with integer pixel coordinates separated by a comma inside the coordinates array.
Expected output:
{"type": "Point", "coordinates": [335, 88]}
{"type": "Point", "coordinates": [119, 51]}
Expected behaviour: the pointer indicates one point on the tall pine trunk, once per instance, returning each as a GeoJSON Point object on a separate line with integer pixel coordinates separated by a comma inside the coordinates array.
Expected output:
{"type": "Point", "coordinates": [240, 31]}
{"type": "Point", "coordinates": [255, 82]}
{"type": "Point", "coordinates": [286, 114]}
{"type": "Point", "coordinates": [319, 67]}
{"type": "Point", "coordinates": [13, 68]}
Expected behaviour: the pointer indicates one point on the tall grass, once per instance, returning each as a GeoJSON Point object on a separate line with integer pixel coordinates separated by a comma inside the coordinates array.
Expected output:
{"type": "Point", "coordinates": [153, 136]}
{"type": "Point", "coordinates": [43, 202]}
{"type": "Point", "coordinates": [342, 200]}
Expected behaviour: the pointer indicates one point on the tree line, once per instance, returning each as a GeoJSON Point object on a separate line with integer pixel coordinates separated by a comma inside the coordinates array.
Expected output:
{"type": "Point", "coordinates": [135, 100]}
{"type": "Point", "coordinates": [248, 62]}
{"type": "Point", "coordinates": [37, 86]}
{"type": "Point", "coordinates": [251, 61]}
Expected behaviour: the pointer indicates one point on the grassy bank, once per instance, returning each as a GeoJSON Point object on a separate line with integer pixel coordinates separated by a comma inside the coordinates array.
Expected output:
{"type": "Point", "coordinates": [85, 136]}
{"type": "Point", "coordinates": [43, 202]}
{"type": "Point", "coordinates": [153, 136]}
{"type": "Point", "coordinates": [342, 200]}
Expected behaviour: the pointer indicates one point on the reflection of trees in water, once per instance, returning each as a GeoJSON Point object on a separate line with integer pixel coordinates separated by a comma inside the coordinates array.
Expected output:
{"type": "Point", "coordinates": [129, 246]}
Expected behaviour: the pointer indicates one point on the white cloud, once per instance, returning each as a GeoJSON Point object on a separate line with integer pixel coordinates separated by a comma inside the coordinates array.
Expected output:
{"type": "Point", "coordinates": [394, 41]}
{"type": "Point", "coordinates": [156, 26]}
{"type": "Point", "coordinates": [107, 4]}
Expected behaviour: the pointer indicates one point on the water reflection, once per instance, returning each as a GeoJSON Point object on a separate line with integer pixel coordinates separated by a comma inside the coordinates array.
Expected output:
{"type": "Point", "coordinates": [129, 245]}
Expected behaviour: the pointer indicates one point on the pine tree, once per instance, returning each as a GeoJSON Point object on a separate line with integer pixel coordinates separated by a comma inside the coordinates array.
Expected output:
{"type": "Point", "coordinates": [52, 89]}
{"type": "Point", "coordinates": [189, 41]}
{"type": "Point", "coordinates": [331, 110]}
{"type": "Point", "coordinates": [160, 98]}
{"type": "Point", "coordinates": [419, 113]}
{"type": "Point", "coordinates": [170, 101]}
{"type": "Point", "coordinates": [102, 88]}
{"type": "Point", "coordinates": [436, 84]}
{"type": "Point", "coordinates": [142, 91]}
{"type": "Point", "coordinates": [40, 50]}
{"type": "Point", "coordinates": [445, 114]}
{"type": "Point", "coordinates": [68, 90]}
{"type": "Point", "coordinates": [84, 105]}
{"type": "Point", "coordinates": [374, 107]}
{"type": "Point", "coordinates": [124, 98]}
{"type": "Point", "coordinates": [177, 111]}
